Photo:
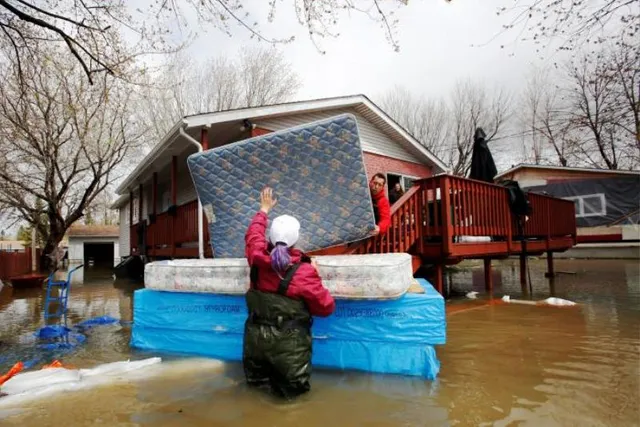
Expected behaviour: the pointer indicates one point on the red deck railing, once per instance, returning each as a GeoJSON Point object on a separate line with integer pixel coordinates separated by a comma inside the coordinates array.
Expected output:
{"type": "Point", "coordinates": [168, 234]}
{"type": "Point", "coordinates": [473, 221]}
{"type": "Point", "coordinates": [440, 218]}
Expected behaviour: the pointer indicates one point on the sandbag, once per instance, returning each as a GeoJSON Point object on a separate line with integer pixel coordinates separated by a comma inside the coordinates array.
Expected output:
{"type": "Point", "coordinates": [376, 276]}
{"type": "Point", "coordinates": [36, 379]}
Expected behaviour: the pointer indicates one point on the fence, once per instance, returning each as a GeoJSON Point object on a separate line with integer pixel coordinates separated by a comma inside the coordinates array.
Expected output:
{"type": "Point", "coordinates": [16, 263]}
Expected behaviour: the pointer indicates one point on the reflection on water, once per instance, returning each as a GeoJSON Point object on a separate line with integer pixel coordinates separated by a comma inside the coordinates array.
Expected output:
{"type": "Point", "coordinates": [503, 364]}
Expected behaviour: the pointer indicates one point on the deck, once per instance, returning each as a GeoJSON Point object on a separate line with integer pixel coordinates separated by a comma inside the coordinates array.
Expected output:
{"type": "Point", "coordinates": [473, 222]}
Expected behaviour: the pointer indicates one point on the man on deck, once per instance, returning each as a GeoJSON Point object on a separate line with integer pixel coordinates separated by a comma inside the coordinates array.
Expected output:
{"type": "Point", "coordinates": [381, 207]}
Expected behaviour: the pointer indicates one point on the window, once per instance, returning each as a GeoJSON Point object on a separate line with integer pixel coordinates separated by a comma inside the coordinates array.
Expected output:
{"type": "Point", "coordinates": [590, 205]}
{"type": "Point", "coordinates": [406, 181]}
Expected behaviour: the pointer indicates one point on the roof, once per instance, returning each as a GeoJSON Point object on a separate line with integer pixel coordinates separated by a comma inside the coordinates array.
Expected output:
{"type": "Point", "coordinates": [13, 244]}
{"type": "Point", "coordinates": [94, 231]}
{"type": "Point", "coordinates": [567, 169]}
{"type": "Point", "coordinates": [368, 108]}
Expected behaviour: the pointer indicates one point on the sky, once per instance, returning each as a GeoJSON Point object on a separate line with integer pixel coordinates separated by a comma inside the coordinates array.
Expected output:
{"type": "Point", "coordinates": [436, 41]}
{"type": "Point", "coordinates": [440, 43]}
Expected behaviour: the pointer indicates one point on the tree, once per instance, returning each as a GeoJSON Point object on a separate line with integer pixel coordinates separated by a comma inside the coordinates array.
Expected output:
{"type": "Point", "coordinates": [425, 119]}
{"type": "Point", "coordinates": [257, 76]}
{"type": "Point", "coordinates": [472, 106]}
{"type": "Point", "coordinates": [603, 96]}
{"type": "Point", "coordinates": [93, 31]}
{"type": "Point", "coordinates": [545, 122]}
{"type": "Point", "coordinates": [591, 117]}
{"type": "Point", "coordinates": [61, 140]}
{"type": "Point", "coordinates": [99, 211]}
{"type": "Point", "coordinates": [447, 128]}
{"type": "Point", "coordinates": [573, 23]}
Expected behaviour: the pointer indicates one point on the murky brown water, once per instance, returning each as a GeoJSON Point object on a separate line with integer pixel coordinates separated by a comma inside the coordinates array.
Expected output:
{"type": "Point", "coordinates": [503, 365]}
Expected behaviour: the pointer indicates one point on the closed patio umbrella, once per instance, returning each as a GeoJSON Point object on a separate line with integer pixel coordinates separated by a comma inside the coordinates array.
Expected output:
{"type": "Point", "coordinates": [483, 168]}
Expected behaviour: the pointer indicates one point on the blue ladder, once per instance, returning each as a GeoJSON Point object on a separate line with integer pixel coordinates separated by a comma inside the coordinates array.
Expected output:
{"type": "Point", "coordinates": [63, 296]}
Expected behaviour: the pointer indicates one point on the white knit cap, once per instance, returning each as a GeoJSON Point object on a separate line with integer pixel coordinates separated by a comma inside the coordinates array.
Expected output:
{"type": "Point", "coordinates": [284, 229]}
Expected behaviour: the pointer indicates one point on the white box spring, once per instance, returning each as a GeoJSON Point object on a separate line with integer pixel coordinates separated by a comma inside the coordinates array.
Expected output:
{"type": "Point", "coordinates": [378, 276]}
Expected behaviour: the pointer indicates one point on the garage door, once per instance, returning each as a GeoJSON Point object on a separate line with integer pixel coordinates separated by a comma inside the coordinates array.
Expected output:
{"type": "Point", "coordinates": [99, 255]}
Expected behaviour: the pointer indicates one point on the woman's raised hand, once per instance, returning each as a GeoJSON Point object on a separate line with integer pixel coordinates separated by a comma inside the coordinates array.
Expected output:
{"type": "Point", "coordinates": [267, 201]}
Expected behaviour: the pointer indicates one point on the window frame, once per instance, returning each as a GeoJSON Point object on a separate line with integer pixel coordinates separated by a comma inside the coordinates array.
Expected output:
{"type": "Point", "coordinates": [580, 213]}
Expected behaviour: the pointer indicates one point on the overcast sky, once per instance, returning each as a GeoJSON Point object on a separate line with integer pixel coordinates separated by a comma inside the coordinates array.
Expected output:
{"type": "Point", "coordinates": [440, 43]}
{"type": "Point", "coordinates": [436, 40]}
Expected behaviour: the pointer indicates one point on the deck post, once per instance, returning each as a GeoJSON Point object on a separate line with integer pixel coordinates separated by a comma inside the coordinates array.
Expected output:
{"type": "Point", "coordinates": [141, 237]}
{"type": "Point", "coordinates": [488, 277]}
{"type": "Point", "coordinates": [447, 226]}
{"type": "Point", "coordinates": [550, 271]}
{"type": "Point", "coordinates": [155, 193]}
{"type": "Point", "coordinates": [204, 138]}
{"type": "Point", "coordinates": [523, 270]}
{"type": "Point", "coordinates": [174, 201]}
{"type": "Point", "coordinates": [130, 220]}
{"type": "Point", "coordinates": [439, 278]}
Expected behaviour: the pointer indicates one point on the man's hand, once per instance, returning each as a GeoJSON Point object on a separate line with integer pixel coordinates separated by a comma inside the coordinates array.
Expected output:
{"type": "Point", "coordinates": [376, 231]}
{"type": "Point", "coordinates": [267, 202]}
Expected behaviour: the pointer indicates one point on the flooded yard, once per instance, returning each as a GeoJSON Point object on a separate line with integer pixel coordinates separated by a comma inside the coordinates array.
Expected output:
{"type": "Point", "coordinates": [503, 365]}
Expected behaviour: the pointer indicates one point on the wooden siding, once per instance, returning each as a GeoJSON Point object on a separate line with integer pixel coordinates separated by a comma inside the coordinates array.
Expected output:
{"type": "Point", "coordinates": [373, 140]}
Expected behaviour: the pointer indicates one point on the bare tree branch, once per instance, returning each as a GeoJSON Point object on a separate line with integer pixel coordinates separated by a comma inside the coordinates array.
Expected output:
{"type": "Point", "coordinates": [92, 30]}
{"type": "Point", "coordinates": [572, 23]}
{"type": "Point", "coordinates": [258, 76]}
{"type": "Point", "coordinates": [61, 140]}
{"type": "Point", "coordinates": [447, 129]}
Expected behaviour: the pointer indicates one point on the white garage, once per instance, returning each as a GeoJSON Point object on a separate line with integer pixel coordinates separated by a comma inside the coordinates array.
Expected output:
{"type": "Point", "coordinates": [95, 246]}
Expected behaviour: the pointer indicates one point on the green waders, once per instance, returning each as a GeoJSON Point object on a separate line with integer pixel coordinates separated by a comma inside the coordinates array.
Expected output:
{"type": "Point", "coordinates": [277, 339]}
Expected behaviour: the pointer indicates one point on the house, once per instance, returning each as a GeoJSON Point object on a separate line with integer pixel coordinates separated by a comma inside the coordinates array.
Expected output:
{"type": "Point", "coordinates": [95, 246]}
{"type": "Point", "coordinates": [159, 194]}
{"type": "Point", "coordinates": [11, 246]}
{"type": "Point", "coordinates": [606, 201]}
{"type": "Point", "coordinates": [161, 217]}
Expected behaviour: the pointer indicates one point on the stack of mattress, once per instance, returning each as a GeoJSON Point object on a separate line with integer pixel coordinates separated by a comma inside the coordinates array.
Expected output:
{"type": "Point", "coordinates": [317, 172]}
{"type": "Point", "coordinates": [318, 176]}
{"type": "Point", "coordinates": [391, 336]}
{"type": "Point", "coordinates": [374, 276]}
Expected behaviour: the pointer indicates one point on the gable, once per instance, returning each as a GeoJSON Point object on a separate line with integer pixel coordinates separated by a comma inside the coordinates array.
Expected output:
{"type": "Point", "coordinates": [372, 138]}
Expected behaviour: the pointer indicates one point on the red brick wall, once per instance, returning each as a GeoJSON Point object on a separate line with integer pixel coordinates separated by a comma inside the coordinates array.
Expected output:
{"type": "Point", "coordinates": [375, 163]}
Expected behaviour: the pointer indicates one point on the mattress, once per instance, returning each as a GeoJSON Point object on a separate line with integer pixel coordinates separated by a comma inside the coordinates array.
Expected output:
{"type": "Point", "coordinates": [394, 336]}
{"type": "Point", "coordinates": [317, 173]}
{"type": "Point", "coordinates": [375, 276]}
{"type": "Point", "coordinates": [219, 276]}
{"type": "Point", "coordinates": [412, 318]}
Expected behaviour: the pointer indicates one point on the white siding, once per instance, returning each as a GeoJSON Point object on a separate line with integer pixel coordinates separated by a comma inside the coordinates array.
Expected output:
{"type": "Point", "coordinates": [186, 189]}
{"type": "Point", "coordinates": [372, 139]}
{"type": "Point", "coordinates": [124, 231]}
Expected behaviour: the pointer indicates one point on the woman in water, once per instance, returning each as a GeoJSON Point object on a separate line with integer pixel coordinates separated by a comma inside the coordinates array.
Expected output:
{"type": "Point", "coordinates": [285, 292]}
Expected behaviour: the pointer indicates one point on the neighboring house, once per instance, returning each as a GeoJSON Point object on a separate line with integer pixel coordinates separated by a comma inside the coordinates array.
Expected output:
{"type": "Point", "coordinates": [11, 246]}
{"type": "Point", "coordinates": [94, 245]}
{"type": "Point", "coordinates": [607, 201]}
{"type": "Point", "coordinates": [157, 201]}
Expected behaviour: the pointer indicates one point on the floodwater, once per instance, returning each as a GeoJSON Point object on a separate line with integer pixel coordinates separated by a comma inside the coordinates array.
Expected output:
{"type": "Point", "coordinates": [503, 364]}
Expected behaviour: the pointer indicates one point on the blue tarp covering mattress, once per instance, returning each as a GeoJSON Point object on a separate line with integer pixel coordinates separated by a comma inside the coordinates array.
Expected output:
{"type": "Point", "coordinates": [318, 176]}
{"type": "Point", "coordinates": [391, 336]}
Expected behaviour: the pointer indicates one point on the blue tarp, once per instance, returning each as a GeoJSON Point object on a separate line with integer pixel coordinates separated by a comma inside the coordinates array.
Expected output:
{"type": "Point", "coordinates": [394, 336]}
